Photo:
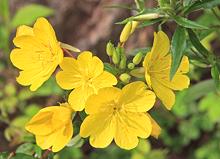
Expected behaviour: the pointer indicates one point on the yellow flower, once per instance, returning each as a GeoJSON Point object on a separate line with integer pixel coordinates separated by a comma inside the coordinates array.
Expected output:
{"type": "Point", "coordinates": [52, 127]}
{"type": "Point", "coordinates": [118, 114]}
{"type": "Point", "coordinates": [86, 75]}
{"type": "Point", "coordinates": [157, 64]}
{"type": "Point", "coordinates": [156, 130]}
{"type": "Point", "coordinates": [37, 55]}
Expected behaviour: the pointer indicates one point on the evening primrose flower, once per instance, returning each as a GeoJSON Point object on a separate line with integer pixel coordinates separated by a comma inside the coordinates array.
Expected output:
{"type": "Point", "coordinates": [118, 114]}
{"type": "Point", "coordinates": [157, 64]}
{"type": "Point", "coordinates": [37, 55]}
{"type": "Point", "coordinates": [86, 75]}
{"type": "Point", "coordinates": [52, 127]}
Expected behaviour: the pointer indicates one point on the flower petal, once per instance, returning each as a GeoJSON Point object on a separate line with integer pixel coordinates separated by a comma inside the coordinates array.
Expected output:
{"type": "Point", "coordinates": [40, 124]}
{"type": "Point", "coordinates": [35, 77]}
{"type": "Point", "coordinates": [161, 46]}
{"type": "Point", "coordinates": [57, 139]}
{"type": "Point", "coordinates": [45, 33]}
{"type": "Point", "coordinates": [184, 65]}
{"type": "Point", "coordinates": [63, 137]}
{"type": "Point", "coordinates": [45, 142]}
{"type": "Point", "coordinates": [24, 30]}
{"type": "Point", "coordinates": [135, 97]}
{"type": "Point", "coordinates": [28, 42]}
{"type": "Point", "coordinates": [179, 82]}
{"type": "Point", "coordinates": [105, 79]}
{"type": "Point", "coordinates": [130, 126]}
{"type": "Point", "coordinates": [100, 103]}
{"type": "Point", "coordinates": [78, 97]}
{"type": "Point", "coordinates": [24, 59]}
{"type": "Point", "coordinates": [165, 94]}
{"type": "Point", "coordinates": [92, 66]}
{"type": "Point", "coordinates": [100, 128]}
{"type": "Point", "coordinates": [156, 130]}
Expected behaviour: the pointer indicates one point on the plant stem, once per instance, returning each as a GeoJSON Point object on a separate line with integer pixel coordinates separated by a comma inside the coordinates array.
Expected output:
{"type": "Point", "coordinates": [45, 154]}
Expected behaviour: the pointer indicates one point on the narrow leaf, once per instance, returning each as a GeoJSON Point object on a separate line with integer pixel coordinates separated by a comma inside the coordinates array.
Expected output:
{"type": "Point", "coordinates": [28, 14]}
{"type": "Point", "coordinates": [178, 45]}
{"type": "Point", "coordinates": [215, 75]}
{"type": "Point", "coordinates": [202, 4]}
{"type": "Point", "coordinates": [149, 22]}
{"type": "Point", "coordinates": [197, 44]}
{"type": "Point", "coordinates": [188, 23]}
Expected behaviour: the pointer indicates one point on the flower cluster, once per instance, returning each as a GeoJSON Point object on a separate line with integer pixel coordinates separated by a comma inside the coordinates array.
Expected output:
{"type": "Point", "coordinates": [116, 110]}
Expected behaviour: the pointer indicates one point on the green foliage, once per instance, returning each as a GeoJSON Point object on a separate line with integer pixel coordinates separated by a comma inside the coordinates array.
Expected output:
{"type": "Point", "coordinates": [188, 23]}
{"type": "Point", "coordinates": [4, 9]}
{"type": "Point", "coordinates": [178, 45]}
{"type": "Point", "coordinates": [203, 4]}
{"type": "Point", "coordinates": [196, 43]}
{"type": "Point", "coordinates": [28, 14]}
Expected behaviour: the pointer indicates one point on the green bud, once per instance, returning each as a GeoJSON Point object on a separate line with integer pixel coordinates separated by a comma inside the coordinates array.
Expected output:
{"type": "Point", "coordinates": [116, 56]}
{"type": "Point", "coordinates": [125, 77]}
{"type": "Point", "coordinates": [138, 72]}
{"type": "Point", "coordinates": [148, 16]}
{"type": "Point", "coordinates": [110, 48]}
{"type": "Point", "coordinates": [123, 61]}
{"type": "Point", "coordinates": [137, 58]}
{"type": "Point", "coordinates": [131, 66]}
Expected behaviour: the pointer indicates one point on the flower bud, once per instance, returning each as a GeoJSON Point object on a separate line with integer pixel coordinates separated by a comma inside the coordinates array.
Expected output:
{"type": "Point", "coordinates": [125, 77]}
{"type": "Point", "coordinates": [116, 56]}
{"type": "Point", "coordinates": [137, 58]}
{"type": "Point", "coordinates": [134, 26]}
{"type": "Point", "coordinates": [123, 61]}
{"type": "Point", "coordinates": [131, 66]}
{"type": "Point", "coordinates": [147, 16]}
{"type": "Point", "coordinates": [110, 49]}
{"type": "Point", "coordinates": [126, 32]}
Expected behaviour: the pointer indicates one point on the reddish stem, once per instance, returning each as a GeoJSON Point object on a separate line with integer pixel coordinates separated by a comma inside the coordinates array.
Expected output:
{"type": "Point", "coordinates": [67, 52]}
{"type": "Point", "coordinates": [46, 153]}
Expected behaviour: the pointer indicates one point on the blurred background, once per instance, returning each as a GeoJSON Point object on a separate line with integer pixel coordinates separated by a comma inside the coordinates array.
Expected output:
{"type": "Point", "coordinates": [190, 130]}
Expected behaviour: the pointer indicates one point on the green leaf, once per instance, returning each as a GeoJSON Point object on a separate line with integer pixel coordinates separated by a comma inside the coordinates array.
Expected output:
{"type": "Point", "coordinates": [22, 156]}
{"type": "Point", "coordinates": [210, 105]}
{"type": "Point", "coordinates": [4, 38]}
{"type": "Point", "coordinates": [48, 88]}
{"type": "Point", "coordinates": [150, 22]}
{"type": "Point", "coordinates": [197, 44]}
{"type": "Point", "coordinates": [76, 141]}
{"type": "Point", "coordinates": [215, 72]}
{"type": "Point", "coordinates": [29, 13]}
{"type": "Point", "coordinates": [4, 9]}
{"type": "Point", "coordinates": [188, 23]}
{"type": "Point", "coordinates": [38, 151]}
{"type": "Point", "coordinates": [199, 90]}
{"type": "Point", "coordinates": [178, 45]}
{"type": "Point", "coordinates": [4, 155]}
{"type": "Point", "coordinates": [202, 4]}
{"type": "Point", "coordinates": [26, 148]}
{"type": "Point", "coordinates": [31, 110]}
{"type": "Point", "coordinates": [108, 67]}
{"type": "Point", "coordinates": [125, 21]}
